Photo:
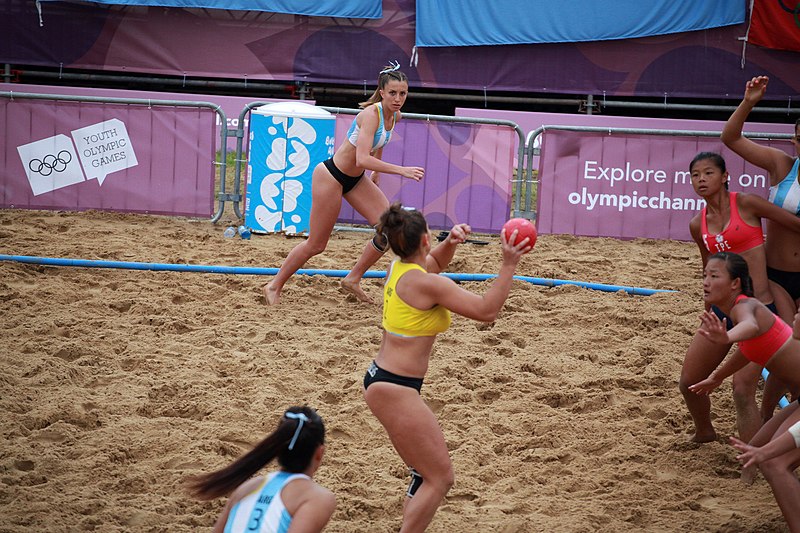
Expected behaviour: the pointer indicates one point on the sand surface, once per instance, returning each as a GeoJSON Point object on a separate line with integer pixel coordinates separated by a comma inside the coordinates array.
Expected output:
{"type": "Point", "coordinates": [563, 415]}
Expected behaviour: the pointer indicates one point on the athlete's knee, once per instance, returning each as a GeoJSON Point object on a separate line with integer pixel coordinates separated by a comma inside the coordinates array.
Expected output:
{"type": "Point", "coordinates": [685, 382]}
{"type": "Point", "coordinates": [315, 248]}
{"type": "Point", "coordinates": [380, 242]}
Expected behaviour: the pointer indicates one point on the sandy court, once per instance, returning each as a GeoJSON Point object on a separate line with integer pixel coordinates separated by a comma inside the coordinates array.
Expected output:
{"type": "Point", "coordinates": [563, 415]}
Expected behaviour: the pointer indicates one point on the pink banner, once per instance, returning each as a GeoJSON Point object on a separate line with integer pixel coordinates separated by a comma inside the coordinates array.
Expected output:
{"type": "Point", "coordinates": [76, 155]}
{"type": "Point", "coordinates": [629, 186]}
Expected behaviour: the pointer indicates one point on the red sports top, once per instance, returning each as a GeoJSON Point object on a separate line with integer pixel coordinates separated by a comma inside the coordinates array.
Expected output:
{"type": "Point", "coordinates": [760, 349]}
{"type": "Point", "coordinates": [738, 236]}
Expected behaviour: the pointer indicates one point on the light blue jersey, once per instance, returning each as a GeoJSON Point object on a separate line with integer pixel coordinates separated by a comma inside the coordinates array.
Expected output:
{"type": "Point", "coordinates": [786, 194]}
{"type": "Point", "coordinates": [382, 135]}
{"type": "Point", "coordinates": [263, 511]}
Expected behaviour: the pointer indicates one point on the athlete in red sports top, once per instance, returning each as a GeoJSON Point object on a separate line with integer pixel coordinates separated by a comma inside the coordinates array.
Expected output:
{"type": "Point", "coordinates": [730, 222]}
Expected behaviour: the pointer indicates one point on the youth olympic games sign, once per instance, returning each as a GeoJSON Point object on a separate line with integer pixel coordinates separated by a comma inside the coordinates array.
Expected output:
{"type": "Point", "coordinates": [53, 162]}
{"type": "Point", "coordinates": [628, 186]}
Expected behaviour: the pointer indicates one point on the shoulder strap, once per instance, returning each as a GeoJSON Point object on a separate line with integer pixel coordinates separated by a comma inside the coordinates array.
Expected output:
{"type": "Point", "coordinates": [734, 206]}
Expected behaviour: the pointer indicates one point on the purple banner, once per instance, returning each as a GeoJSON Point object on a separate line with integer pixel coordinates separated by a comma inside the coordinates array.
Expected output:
{"type": "Point", "coordinates": [468, 169]}
{"type": "Point", "coordinates": [629, 186]}
{"type": "Point", "coordinates": [269, 46]}
{"type": "Point", "coordinates": [77, 156]}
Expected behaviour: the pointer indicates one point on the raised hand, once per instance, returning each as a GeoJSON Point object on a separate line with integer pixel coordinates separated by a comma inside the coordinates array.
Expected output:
{"type": "Point", "coordinates": [513, 252]}
{"type": "Point", "coordinates": [755, 88]}
{"type": "Point", "coordinates": [712, 328]}
{"type": "Point", "coordinates": [458, 234]}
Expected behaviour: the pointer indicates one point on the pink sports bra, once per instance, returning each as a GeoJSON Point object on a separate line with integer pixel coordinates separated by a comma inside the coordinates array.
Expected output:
{"type": "Point", "coordinates": [737, 237]}
{"type": "Point", "coordinates": [761, 349]}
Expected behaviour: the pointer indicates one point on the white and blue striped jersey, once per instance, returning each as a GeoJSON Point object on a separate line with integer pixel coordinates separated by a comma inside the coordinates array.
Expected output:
{"type": "Point", "coordinates": [786, 194]}
{"type": "Point", "coordinates": [263, 511]}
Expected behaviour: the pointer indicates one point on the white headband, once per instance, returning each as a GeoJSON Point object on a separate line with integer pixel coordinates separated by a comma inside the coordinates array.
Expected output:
{"type": "Point", "coordinates": [394, 65]}
{"type": "Point", "coordinates": [296, 416]}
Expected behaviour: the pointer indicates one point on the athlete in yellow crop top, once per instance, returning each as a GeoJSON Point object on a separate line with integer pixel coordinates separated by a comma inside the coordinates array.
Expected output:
{"type": "Point", "coordinates": [402, 319]}
{"type": "Point", "coordinates": [417, 306]}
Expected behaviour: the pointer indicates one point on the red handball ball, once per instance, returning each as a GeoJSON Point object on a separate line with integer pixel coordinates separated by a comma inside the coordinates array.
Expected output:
{"type": "Point", "coordinates": [524, 227]}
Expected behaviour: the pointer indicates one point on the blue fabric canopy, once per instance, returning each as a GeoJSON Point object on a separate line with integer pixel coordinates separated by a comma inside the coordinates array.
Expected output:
{"type": "Point", "coordinates": [367, 9]}
{"type": "Point", "coordinates": [477, 22]}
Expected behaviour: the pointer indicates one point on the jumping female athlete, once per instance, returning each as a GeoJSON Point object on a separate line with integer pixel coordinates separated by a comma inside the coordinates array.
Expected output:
{"type": "Point", "coordinates": [343, 176]}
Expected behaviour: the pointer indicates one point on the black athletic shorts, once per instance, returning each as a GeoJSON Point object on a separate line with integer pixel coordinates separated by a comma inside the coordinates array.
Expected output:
{"type": "Point", "coordinates": [347, 182]}
{"type": "Point", "coordinates": [376, 373]}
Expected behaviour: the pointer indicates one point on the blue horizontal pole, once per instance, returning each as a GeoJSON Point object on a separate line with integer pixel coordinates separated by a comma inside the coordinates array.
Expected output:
{"type": "Point", "coordinates": [260, 271]}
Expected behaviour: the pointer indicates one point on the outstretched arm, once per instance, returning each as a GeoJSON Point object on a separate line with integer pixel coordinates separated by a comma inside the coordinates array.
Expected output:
{"type": "Point", "coordinates": [365, 159]}
{"type": "Point", "coordinates": [733, 364]}
{"type": "Point", "coordinates": [771, 159]}
{"type": "Point", "coordinates": [754, 455]}
{"type": "Point", "coordinates": [447, 293]}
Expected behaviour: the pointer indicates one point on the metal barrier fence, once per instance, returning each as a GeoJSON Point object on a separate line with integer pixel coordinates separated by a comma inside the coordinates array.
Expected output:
{"type": "Point", "coordinates": [150, 104]}
{"type": "Point", "coordinates": [618, 182]}
{"type": "Point", "coordinates": [408, 118]}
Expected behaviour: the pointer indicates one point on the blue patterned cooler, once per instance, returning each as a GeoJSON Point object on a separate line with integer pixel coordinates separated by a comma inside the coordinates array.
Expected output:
{"type": "Point", "coordinates": [287, 140]}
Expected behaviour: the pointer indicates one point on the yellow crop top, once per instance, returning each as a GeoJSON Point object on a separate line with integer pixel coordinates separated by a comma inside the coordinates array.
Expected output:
{"type": "Point", "coordinates": [399, 318]}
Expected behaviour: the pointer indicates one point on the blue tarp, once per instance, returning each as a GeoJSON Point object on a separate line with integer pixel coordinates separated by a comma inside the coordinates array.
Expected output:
{"type": "Point", "coordinates": [366, 9]}
{"type": "Point", "coordinates": [478, 22]}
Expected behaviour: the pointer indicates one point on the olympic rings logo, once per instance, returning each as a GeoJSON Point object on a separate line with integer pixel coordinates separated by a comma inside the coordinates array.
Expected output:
{"type": "Point", "coordinates": [50, 163]}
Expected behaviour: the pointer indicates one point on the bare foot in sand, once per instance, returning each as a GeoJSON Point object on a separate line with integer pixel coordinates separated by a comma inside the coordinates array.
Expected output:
{"type": "Point", "coordinates": [704, 437]}
{"type": "Point", "coordinates": [271, 295]}
{"type": "Point", "coordinates": [355, 289]}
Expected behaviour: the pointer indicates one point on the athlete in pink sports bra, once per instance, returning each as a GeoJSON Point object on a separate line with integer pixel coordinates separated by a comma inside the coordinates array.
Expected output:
{"type": "Point", "coordinates": [761, 348]}
{"type": "Point", "coordinates": [764, 338]}
{"type": "Point", "coordinates": [730, 222]}
{"type": "Point", "coordinates": [738, 236]}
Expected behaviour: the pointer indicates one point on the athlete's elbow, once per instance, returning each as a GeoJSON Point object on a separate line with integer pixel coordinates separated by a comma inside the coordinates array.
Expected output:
{"type": "Point", "coordinates": [361, 160]}
{"type": "Point", "coordinates": [729, 137]}
{"type": "Point", "coordinates": [487, 315]}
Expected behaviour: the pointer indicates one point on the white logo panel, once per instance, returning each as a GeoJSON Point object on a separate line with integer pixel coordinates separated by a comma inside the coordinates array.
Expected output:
{"type": "Point", "coordinates": [50, 164]}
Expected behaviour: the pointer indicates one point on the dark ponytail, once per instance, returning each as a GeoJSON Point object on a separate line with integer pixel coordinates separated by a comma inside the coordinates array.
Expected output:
{"type": "Point", "coordinates": [389, 73]}
{"type": "Point", "coordinates": [737, 268]}
{"type": "Point", "coordinates": [309, 437]}
{"type": "Point", "coordinates": [403, 228]}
